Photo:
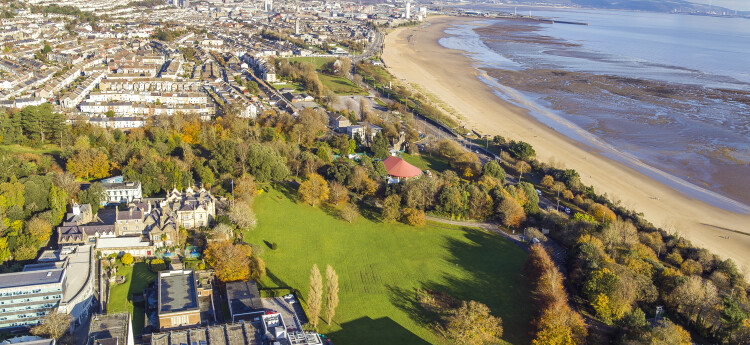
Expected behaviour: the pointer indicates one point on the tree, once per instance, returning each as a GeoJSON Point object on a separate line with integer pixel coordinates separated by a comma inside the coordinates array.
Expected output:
{"type": "Point", "coordinates": [667, 333]}
{"type": "Point", "coordinates": [231, 262]}
{"type": "Point", "coordinates": [414, 217]}
{"type": "Point", "coordinates": [349, 212]}
{"type": "Point", "coordinates": [39, 229]}
{"type": "Point", "coordinates": [472, 323]}
{"type": "Point", "coordinates": [332, 293]}
{"type": "Point", "coordinates": [54, 325]}
{"type": "Point", "coordinates": [547, 181]}
{"type": "Point", "coordinates": [88, 164]}
{"type": "Point", "coordinates": [257, 268]}
{"type": "Point", "coordinates": [522, 167]}
{"type": "Point", "coordinates": [619, 233]}
{"type": "Point", "coordinates": [601, 213]}
{"type": "Point", "coordinates": [314, 190]}
{"type": "Point", "coordinates": [126, 259]}
{"type": "Point", "coordinates": [511, 213]}
{"type": "Point", "coordinates": [242, 214]}
{"type": "Point", "coordinates": [93, 196]}
{"type": "Point", "coordinates": [380, 146]}
{"type": "Point", "coordinates": [391, 207]}
{"type": "Point", "coordinates": [521, 150]}
{"type": "Point", "coordinates": [315, 295]}
{"type": "Point", "coordinates": [493, 169]}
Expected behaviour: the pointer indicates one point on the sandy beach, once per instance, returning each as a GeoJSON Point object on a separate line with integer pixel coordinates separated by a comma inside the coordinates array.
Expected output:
{"type": "Point", "coordinates": [414, 55]}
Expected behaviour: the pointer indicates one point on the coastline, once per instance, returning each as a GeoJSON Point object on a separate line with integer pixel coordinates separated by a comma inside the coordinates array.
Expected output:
{"type": "Point", "coordinates": [413, 54]}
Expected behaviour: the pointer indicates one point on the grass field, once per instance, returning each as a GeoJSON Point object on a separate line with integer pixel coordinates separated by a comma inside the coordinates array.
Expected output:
{"type": "Point", "coordinates": [380, 266]}
{"type": "Point", "coordinates": [426, 162]}
{"type": "Point", "coordinates": [137, 278]}
{"type": "Point", "coordinates": [43, 149]}
{"type": "Point", "coordinates": [340, 85]}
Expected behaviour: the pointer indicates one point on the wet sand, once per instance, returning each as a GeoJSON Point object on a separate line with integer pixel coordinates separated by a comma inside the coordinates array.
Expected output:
{"type": "Point", "coordinates": [414, 55]}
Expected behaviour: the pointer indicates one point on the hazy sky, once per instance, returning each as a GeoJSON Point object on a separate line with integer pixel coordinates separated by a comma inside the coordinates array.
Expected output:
{"type": "Point", "coordinates": [739, 5]}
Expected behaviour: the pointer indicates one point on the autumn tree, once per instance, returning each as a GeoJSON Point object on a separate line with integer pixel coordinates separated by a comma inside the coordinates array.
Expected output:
{"type": "Point", "coordinates": [338, 193]}
{"type": "Point", "coordinates": [242, 214]}
{"type": "Point", "coordinates": [493, 169]}
{"type": "Point", "coordinates": [54, 325]}
{"type": "Point", "coordinates": [414, 217]}
{"type": "Point", "coordinates": [332, 293]}
{"type": "Point", "coordinates": [547, 181]}
{"type": "Point", "coordinates": [314, 190]}
{"type": "Point", "coordinates": [89, 164]}
{"type": "Point", "coordinates": [522, 168]}
{"type": "Point", "coordinates": [231, 262]}
{"type": "Point", "coordinates": [601, 213]}
{"type": "Point", "coordinates": [619, 233]}
{"type": "Point", "coordinates": [391, 208]}
{"type": "Point", "coordinates": [349, 212]}
{"type": "Point", "coordinates": [511, 213]}
{"type": "Point", "coordinates": [472, 323]}
{"type": "Point", "coordinates": [39, 229]}
{"type": "Point", "coordinates": [315, 295]}
{"type": "Point", "coordinates": [556, 323]}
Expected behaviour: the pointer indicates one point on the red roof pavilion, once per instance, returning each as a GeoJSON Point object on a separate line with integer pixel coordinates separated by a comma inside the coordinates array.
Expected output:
{"type": "Point", "coordinates": [398, 167]}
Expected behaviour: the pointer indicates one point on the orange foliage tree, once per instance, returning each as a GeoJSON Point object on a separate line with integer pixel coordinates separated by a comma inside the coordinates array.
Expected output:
{"type": "Point", "coordinates": [231, 262]}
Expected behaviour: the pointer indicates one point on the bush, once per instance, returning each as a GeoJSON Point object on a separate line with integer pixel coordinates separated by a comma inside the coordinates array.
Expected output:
{"type": "Point", "coordinates": [414, 217]}
{"type": "Point", "coordinates": [126, 259]}
{"type": "Point", "coordinates": [158, 265]}
{"type": "Point", "coordinates": [274, 246]}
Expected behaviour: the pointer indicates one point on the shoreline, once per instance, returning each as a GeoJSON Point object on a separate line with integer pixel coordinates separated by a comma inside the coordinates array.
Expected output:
{"type": "Point", "coordinates": [414, 54]}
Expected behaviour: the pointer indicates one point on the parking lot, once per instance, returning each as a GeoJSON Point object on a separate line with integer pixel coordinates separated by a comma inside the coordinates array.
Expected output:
{"type": "Point", "coordinates": [293, 314]}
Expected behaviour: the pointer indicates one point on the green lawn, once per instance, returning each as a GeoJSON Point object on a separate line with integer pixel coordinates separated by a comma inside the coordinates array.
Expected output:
{"type": "Point", "coordinates": [380, 102]}
{"type": "Point", "coordinates": [318, 62]}
{"type": "Point", "coordinates": [137, 278]}
{"type": "Point", "coordinates": [43, 149]}
{"type": "Point", "coordinates": [425, 162]}
{"type": "Point", "coordinates": [380, 266]}
{"type": "Point", "coordinates": [340, 85]}
{"type": "Point", "coordinates": [294, 86]}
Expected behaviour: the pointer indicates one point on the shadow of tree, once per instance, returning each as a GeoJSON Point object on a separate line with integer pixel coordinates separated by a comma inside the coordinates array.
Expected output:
{"type": "Point", "coordinates": [288, 189]}
{"type": "Point", "coordinates": [492, 281]}
{"type": "Point", "coordinates": [368, 210]}
{"type": "Point", "coordinates": [365, 331]}
{"type": "Point", "coordinates": [406, 300]}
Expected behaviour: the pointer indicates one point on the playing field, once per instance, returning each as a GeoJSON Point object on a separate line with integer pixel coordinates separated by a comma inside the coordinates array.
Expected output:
{"type": "Point", "coordinates": [380, 266]}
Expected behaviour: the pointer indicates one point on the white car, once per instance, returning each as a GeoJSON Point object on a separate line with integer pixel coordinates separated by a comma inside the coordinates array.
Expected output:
{"type": "Point", "coordinates": [538, 192]}
{"type": "Point", "coordinates": [567, 210]}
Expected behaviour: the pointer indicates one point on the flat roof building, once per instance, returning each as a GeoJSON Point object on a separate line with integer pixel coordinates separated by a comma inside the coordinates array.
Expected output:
{"type": "Point", "coordinates": [27, 296]}
{"type": "Point", "coordinates": [244, 300]}
{"type": "Point", "coordinates": [178, 299]}
{"type": "Point", "coordinates": [114, 329]}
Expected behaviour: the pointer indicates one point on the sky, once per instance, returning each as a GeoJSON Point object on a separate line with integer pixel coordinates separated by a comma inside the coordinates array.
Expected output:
{"type": "Point", "coordinates": [739, 5]}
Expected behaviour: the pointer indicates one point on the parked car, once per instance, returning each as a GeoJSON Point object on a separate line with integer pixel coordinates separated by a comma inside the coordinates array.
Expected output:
{"type": "Point", "coordinates": [567, 210]}
{"type": "Point", "coordinates": [538, 192]}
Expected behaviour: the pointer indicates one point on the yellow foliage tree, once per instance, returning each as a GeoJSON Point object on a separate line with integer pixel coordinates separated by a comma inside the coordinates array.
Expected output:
{"type": "Point", "coordinates": [230, 262]}
{"type": "Point", "coordinates": [314, 190]}
{"type": "Point", "coordinates": [191, 133]}
{"type": "Point", "coordinates": [89, 164]}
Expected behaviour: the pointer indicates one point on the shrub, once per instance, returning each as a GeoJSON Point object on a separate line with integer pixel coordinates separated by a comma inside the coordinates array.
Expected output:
{"type": "Point", "coordinates": [158, 265]}
{"type": "Point", "coordinates": [126, 259]}
{"type": "Point", "coordinates": [414, 217]}
{"type": "Point", "coordinates": [274, 246]}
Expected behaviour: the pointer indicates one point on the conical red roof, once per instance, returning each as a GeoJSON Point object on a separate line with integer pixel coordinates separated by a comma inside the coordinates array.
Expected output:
{"type": "Point", "coordinates": [398, 167]}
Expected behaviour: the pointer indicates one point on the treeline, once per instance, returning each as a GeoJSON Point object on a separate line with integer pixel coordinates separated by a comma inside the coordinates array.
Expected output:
{"type": "Point", "coordinates": [82, 16]}
{"type": "Point", "coordinates": [622, 267]}
{"type": "Point", "coordinates": [303, 73]}
{"type": "Point", "coordinates": [146, 3]}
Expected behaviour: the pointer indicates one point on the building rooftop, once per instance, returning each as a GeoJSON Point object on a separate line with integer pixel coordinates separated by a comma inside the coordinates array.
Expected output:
{"type": "Point", "coordinates": [18, 279]}
{"type": "Point", "coordinates": [244, 298]}
{"type": "Point", "coordinates": [226, 334]}
{"type": "Point", "coordinates": [120, 242]}
{"type": "Point", "coordinates": [109, 329]}
{"type": "Point", "coordinates": [177, 291]}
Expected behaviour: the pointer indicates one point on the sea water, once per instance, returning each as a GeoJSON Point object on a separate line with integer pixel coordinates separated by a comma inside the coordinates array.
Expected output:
{"type": "Point", "coordinates": [689, 118]}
